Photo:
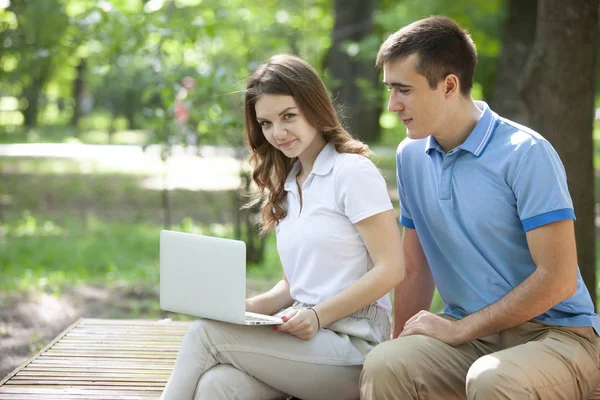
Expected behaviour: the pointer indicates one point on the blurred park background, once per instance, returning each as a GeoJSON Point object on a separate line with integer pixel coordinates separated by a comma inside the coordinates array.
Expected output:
{"type": "Point", "coordinates": [119, 118]}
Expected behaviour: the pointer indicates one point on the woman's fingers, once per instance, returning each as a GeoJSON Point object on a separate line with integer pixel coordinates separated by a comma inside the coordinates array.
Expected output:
{"type": "Point", "coordinates": [299, 324]}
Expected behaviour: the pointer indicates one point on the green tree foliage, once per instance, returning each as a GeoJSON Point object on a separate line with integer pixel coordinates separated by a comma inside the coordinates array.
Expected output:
{"type": "Point", "coordinates": [137, 51]}
{"type": "Point", "coordinates": [35, 40]}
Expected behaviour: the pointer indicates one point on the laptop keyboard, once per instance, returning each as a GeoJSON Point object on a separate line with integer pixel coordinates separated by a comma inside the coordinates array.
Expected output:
{"type": "Point", "coordinates": [257, 318]}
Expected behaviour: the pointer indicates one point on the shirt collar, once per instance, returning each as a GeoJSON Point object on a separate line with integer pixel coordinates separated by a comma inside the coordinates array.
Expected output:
{"type": "Point", "coordinates": [322, 166]}
{"type": "Point", "coordinates": [478, 139]}
{"type": "Point", "coordinates": [325, 160]}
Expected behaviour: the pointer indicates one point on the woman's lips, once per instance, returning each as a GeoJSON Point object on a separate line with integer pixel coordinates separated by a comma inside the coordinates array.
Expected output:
{"type": "Point", "coordinates": [287, 144]}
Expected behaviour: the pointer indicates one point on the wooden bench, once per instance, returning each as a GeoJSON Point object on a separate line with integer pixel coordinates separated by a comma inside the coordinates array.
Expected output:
{"type": "Point", "coordinates": [100, 359]}
{"type": "Point", "coordinates": [103, 359]}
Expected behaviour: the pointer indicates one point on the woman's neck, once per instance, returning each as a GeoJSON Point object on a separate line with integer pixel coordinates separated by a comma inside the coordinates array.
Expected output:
{"type": "Point", "coordinates": [309, 155]}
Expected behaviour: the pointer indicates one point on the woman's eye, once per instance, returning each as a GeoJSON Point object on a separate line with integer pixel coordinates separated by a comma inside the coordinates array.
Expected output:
{"type": "Point", "coordinates": [264, 123]}
{"type": "Point", "coordinates": [288, 116]}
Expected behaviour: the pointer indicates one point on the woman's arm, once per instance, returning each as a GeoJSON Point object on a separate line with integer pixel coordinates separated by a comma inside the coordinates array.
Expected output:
{"type": "Point", "coordinates": [381, 236]}
{"type": "Point", "coordinates": [272, 301]}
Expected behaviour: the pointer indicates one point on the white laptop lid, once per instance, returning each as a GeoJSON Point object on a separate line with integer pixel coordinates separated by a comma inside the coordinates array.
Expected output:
{"type": "Point", "coordinates": [203, 276]}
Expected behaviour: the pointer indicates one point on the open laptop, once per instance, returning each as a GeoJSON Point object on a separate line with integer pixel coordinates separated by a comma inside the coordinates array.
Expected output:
{"type": "Point", "coordinates": [205, 277]}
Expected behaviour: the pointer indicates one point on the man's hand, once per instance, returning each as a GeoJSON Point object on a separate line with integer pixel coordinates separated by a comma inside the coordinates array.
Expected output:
{"type": "Point", "coordinates": [426, 323]}
{"type": "Point", "coordinates": [301, 323]}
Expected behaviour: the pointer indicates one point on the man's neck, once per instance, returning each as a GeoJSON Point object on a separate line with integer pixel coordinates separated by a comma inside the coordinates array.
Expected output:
{"type": "Point", "coordinates": [459, 125]}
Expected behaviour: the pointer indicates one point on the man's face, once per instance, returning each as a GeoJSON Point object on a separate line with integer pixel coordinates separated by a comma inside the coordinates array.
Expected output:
{"type": "Point", "coordinates": [420, 108]}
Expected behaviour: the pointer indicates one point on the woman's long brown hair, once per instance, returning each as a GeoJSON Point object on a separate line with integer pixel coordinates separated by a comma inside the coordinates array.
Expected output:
{"type": "Point", "coordinates": [290, 76]}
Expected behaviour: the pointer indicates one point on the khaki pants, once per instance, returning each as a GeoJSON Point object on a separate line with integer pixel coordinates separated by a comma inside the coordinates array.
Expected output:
{"type": "Point", "coordinates": [530, 361]}
{"type": "Point", "coordinates": [222, 361]}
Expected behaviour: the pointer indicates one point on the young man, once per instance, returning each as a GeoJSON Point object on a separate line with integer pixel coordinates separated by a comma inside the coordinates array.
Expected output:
{"type": "Point", "coordinates": [488, 219]}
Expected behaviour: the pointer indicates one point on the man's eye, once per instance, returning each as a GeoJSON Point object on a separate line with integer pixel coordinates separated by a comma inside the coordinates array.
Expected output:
{"type": "Point", "coordinates": [404, 91]}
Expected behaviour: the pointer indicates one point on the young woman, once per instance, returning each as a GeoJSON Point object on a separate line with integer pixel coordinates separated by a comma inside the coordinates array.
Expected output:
{"type": "Point", "coordinates": [339, 244]}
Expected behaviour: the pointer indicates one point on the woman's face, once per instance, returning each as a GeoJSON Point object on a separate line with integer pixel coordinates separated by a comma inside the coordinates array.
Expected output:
{"type": "Point", "coordinates": [284, 125]}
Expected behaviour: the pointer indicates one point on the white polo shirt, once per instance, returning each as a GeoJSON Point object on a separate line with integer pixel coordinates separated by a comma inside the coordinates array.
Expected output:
{"type": "Point", "coordinates": [321, 251]}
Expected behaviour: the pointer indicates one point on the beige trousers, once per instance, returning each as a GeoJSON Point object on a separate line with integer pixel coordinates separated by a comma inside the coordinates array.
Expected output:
{"type": "Point", "coordinates": [530, 361]}
{"type": "Point", "coordinates": [222, 361]}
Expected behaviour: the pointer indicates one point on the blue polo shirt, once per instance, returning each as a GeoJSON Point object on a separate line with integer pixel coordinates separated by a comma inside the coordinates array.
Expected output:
{"type": "Point", "coordinates": [472, 206]}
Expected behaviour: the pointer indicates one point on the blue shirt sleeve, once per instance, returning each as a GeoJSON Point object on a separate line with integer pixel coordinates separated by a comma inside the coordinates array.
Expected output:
{"type": "Point", "coordinates": [540, 187]}
{"type": "Point", "coordinates": [405, 216]}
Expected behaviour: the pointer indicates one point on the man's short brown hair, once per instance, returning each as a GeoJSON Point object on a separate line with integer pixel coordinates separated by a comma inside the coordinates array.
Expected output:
{"type": "Point", "coordinates": [442, 46]}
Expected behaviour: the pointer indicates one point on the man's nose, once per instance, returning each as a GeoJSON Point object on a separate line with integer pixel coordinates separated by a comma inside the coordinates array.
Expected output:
{"type": "Point", "coordinates": [394, 104]}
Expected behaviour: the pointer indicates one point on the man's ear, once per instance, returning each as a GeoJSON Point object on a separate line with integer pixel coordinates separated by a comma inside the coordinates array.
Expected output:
{"type": "Point", "coordinates": [451, 85]}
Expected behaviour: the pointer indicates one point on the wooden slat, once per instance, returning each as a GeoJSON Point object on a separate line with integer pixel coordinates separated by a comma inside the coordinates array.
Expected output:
{"type": "Point", "coordinates": [39, 353]}
{"type": "Point", "coordinates": [100, 359]}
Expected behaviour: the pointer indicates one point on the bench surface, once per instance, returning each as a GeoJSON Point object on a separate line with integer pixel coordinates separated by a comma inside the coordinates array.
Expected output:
{"type": "Point", "coordinates": [100, 359]}
{"type": "Point", "coordinates": [103, 359]}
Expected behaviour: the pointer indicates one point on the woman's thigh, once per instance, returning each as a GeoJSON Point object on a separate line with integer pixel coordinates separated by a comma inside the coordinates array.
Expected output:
{"type": "Point", "coordinates": [327, 366]}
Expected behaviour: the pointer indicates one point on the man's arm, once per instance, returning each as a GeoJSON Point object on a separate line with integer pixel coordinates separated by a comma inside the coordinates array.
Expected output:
{"type": "Point", "coordinates": [415, 292]}
{"type": "Point", "coordinates": [554, 252]}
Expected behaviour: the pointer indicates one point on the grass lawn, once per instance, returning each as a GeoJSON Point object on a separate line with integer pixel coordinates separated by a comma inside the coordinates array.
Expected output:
{"type": "Point", "coordinates": [63, 223]}
{"type": "Point", "coordinates": [41, 253]}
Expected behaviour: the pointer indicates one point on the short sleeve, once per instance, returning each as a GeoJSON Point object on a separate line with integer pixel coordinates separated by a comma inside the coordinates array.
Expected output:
{"type": "Point", "coordinates": [540, 188]}
{"type": "Point", "coordinates": [361, 191]}
{"type": "Point", "coordinates": [405, 216]}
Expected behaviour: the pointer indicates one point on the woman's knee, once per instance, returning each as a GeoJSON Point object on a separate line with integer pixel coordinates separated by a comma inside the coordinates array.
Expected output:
{"type": "Point", "coordinates": [225, 382]}
{"type": "Point", "coordinates": [204, 327]}
{"type": "Point", "coordinates": [215, 382]}
{"type": "Point", "coordinates": [200, 325]}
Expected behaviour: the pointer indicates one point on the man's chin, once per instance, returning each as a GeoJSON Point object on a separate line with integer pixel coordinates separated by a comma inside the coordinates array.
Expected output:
{"type": "Point", "coordinates": [411, 134]}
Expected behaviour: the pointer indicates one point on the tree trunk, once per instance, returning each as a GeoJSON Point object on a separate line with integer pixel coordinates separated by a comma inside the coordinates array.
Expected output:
{"type": "Point", "coordinates": [78, 93]}
{"type": "Point", "coordinates": [519, 33]}
{"type": "Point", "coordinates": [559, 84]}
{"type": "Point", "coordinates": [32, 95]}
{"type": "Point", "coordinates": [355, 79]}
{"type": "Point", "coordinates": [131, 106]}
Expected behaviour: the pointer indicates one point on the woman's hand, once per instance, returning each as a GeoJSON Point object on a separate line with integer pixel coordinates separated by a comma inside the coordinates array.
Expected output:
{"type": "Point", "coordinates": [301, 323]}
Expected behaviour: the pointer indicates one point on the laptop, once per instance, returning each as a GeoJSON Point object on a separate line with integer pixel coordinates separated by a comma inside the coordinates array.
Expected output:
{"type": "Point", "coordinates": [205, 277]}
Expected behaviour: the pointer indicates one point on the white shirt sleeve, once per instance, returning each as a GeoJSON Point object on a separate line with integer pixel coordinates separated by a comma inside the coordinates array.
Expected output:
{"type": "Point", "coordinates": [360, 189]}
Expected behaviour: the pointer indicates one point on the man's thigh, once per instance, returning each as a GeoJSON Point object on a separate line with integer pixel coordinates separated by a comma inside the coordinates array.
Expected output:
{"type": "Point", "coordinates": [419, 366]}
{"type": "Point", "coordinates": [551, 363]}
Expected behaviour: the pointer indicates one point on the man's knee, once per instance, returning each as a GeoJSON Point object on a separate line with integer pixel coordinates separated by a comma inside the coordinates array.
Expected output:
{"type": "Point", "coordinates": [488, 377]}
{"type": "Point", "coordinates": [377, 364]}
{"type": "Point", "coordinates": [389, 368]}
{"type": "Point", "coordinates": [393, 358]}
